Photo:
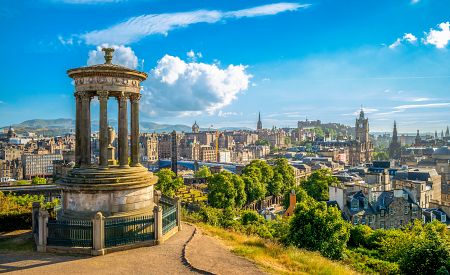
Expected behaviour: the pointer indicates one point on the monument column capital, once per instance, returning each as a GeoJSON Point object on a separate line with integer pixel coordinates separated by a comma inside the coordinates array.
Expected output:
{"type": "Point", "coordinates": [135, 97]}
{"type": "Point", "coordinates": [102, 94]}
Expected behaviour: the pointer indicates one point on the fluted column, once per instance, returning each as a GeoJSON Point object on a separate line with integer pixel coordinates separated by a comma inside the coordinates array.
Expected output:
{"type": "Point", "coordinates": [123, 130]}
{"type": "Point", "coordinates": [135, 129]}
{"type": "Point", "coordinates": [103, 138]}
{"type": "Point", "coordinates": [85, 130]}
{"type": "Point", "coordinates": [77, 130]}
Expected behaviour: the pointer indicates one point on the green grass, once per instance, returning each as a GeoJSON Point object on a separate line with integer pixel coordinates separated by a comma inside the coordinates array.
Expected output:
{"type": "Point", "coordinates": [22, 242]}
{"type": "Point", "coordinates": [275, 258]}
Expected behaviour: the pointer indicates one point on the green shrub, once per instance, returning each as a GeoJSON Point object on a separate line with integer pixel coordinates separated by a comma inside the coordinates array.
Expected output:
{"type": "Point", "coordinates": [359, 236]}
{"type": "Point", "coordinates": [14, 221]}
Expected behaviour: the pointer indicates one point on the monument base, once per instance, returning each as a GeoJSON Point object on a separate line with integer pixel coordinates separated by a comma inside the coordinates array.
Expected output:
{"type": "Point", "coordinates": [116, 192]}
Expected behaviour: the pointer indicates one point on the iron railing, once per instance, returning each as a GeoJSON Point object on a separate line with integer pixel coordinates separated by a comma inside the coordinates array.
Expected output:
{"type": "Point", "coordinates": [122, 231]}
{"type": "Point", "coordinates": [169, 218]}
{"type": "Point", "coordinates": [70, 233]}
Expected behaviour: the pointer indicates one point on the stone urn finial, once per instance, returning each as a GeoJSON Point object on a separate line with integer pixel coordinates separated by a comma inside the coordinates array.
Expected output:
{"type": "Point", "coordinates": [108, 55]}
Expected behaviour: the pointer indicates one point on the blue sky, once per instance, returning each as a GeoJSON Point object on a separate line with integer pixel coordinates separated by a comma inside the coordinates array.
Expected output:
{"type": "Point", "coordinates": [220, 62]}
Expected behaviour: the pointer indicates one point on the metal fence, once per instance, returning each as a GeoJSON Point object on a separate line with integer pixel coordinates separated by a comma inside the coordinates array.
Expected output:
{"type": "Point", "coordinates": [124, 231]}
{"type": "Point", "coordinates": [70, 233]}
{"type": "Point", "coordinates": [169, 218]}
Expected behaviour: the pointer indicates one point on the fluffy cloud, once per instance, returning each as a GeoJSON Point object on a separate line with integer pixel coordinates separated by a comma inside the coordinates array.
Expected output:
{"type": "Point", "coordinates": [438, 38]}
{"type": "Point", "coordinates": [409, 37]}
{"type": "Point", "coordinates": [415, 1]}
{"type": "Point", "coordinates": [136, 28]}
{"type": "Point", "coordinates": [122, 55]}
{"type": "Point", "coordinates": [176, 87]}
{"type": "Point", "coordinates": [416, 106]}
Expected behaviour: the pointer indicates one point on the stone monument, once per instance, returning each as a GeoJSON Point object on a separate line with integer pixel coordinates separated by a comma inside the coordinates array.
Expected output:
{"type": "Point", "coordinates": [122, 190]}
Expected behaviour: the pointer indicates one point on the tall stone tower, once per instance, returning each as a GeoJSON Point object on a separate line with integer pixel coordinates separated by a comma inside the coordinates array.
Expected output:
{"type": "Point", "coordinates": [259, 124]}
{"type": "Point", "coordinates": [174, 152]}
{"type": "Point", "coordinates": [418, 139]}
{"type": "Point", "coordinates": [362, 128]}
{"type": "Point", "coordinates": [123, 190]}
{"type": "Point", "coordinates": [362, 147]}
{"type": "Point", "coordinates": [394, 147]}
{"type": "Point", "coordinates": [195, 128]}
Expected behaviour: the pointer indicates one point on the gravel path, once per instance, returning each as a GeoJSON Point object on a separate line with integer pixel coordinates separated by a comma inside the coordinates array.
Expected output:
{"type": "Point", "coordinates": [204, 255]}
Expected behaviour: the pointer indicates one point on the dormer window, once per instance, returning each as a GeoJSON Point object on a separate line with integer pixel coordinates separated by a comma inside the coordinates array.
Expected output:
{"type": "Point", "coordinates": [443, 218]}
{"type": "Point", "coordinates": [355, 204]}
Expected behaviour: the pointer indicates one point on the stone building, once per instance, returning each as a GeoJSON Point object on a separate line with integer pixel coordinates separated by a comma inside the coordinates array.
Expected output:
{"type": "Point", "coordinates": [423, 184]}
{"type": "Point", "coordinates": [394, 146]}
{"type": "Point", "coordinates": [11, 169]}
{"type": "Point", "coordinates": [38, 165]}
{"type": "Point", "coordinates": [164, 146]}
{"type": "Point", "coordinates": [207, 153]}
{"type": "Point", "coordinates": [149, 147]}
{"type": "Point", "coordinates": [379, 209]}
{"type": "Point", "coordinates": [361, 148]}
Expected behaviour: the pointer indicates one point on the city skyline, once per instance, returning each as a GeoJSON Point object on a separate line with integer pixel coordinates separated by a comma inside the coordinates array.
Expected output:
{"type": "Point", "coordinates": [221, 63]}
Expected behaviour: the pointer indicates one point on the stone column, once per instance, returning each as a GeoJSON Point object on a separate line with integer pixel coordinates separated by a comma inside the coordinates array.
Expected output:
{"type": "Point", "coordinates": [98, 236]}
{"type": "Point", "coordinates": [77, 130]}
{"type": "Point", "coordinates": [103, 138]}
{"type": "Point", "coordinates": [123, 130]}
{"type": "Point", "coordinates": [43, 231]}
{"type": "Point", "coordinates": [157, 214]}
{"type": "Point", "coordinates": [85, 130]}
{"type": "Point", "coordinates": [135, 129]}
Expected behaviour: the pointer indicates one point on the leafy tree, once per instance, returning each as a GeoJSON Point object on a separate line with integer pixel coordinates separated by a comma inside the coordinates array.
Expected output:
{"type": "Point", "coordinates": [239, 185]}
{"type": "Point", "coordinates": [317, 184]}
{"type": "Point", "coordinates": [380, 155]}
{"type": "Point", "coordinates": [316, 226]}
{"type": "Point", "coordinates": [226, 190]}
{"type": "Point", "coordinates": [168, 183]}
{"type": "Point", "coordinates": [262, 142]}
{"type": "Point", "coordinates": [275, 186]}
{"type": "Point", "coordinates": [284, 171]}
{"type": "Point", "coordinates": [38, 180]}
{"type": "Point", "coordinates": [359, 235]}
{"type": "Point", "coordinates": [203, 172]}
{"type": "Point", "coordinates": [254, 189]}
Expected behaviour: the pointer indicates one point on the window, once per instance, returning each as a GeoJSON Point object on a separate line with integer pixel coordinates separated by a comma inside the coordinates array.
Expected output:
{"type": "Point", "coordinates": [355, 204]}
{"type": "Point", "coordinates": [443, 218]}
{"type": "Point", "coordinates": [363, 220]}
{"type": "Point", "coordinates": [391, 211]}
{"type": "Point", "coordinates": [382, 213]}
{"type": "Point", "coordinates": [355, 220]}
{"type": "Point", "coordinates": [406, 210]}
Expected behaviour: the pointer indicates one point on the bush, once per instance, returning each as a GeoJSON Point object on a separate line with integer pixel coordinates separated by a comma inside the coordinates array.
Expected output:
{"type": "Point", "coordinates": [14, 221]}
{"type": "Point", "coordinates": [359, 236]}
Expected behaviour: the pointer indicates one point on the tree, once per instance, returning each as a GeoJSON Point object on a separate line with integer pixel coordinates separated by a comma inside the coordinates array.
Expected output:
{"type": "Point", "coordinates": [239, 185]}
{"type": "Point", "coordinates": [203, 172]}
{"type": "Point", "coordinates": [382, 155]}
{"type": "Point", "coordinates": [221, 191]}
{"type": "Point", "coordinates": [262, 142]}
{"type": "Point", "coordinates": [254, 189]}
{"type": "Point", "coordinates": [168, 183]}
{"type": "Point", "coordinates": [285, 172]}
{"type": "Point", "coordinates": [38, 180]}
{"type": "Point", "coordinates": [317, 184]}
{"type": "Point", "coordinates": [316, 226]}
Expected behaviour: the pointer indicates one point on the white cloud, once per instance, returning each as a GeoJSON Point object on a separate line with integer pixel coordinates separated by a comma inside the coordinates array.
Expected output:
{"type": "Point", "coordinates": [416, 106]}
{"type": "Point", "coordinates": [136, 28]}
{"type": "Point", "coordinates": [226, 114]}
{"type": "Point", "coordinates": [193, 55]}
{"type": "Point", "coordinates": [438, 38]}
{"type": "Point", "coordinates": [124, 56]}
{"type": "Point", "coordinates": [415, 1]}
{"type": "Point", "coordinates": [409, 37]}
{"type": "Point", "coordinates": [175, 87]}
{"type": "Point", "coordinates": [68, 41]}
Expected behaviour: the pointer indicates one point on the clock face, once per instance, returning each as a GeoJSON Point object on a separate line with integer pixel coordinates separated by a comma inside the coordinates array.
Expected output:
{"type": "Point", "coordinates": [361, 125]}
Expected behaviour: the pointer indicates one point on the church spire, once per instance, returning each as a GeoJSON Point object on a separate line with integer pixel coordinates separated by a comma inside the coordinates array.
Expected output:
{"type": "Point", "coordinates": [259, 124]}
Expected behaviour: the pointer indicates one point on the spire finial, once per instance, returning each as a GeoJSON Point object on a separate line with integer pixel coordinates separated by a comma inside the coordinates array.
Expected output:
{"type": "Point", "coordinates": [108, 55]}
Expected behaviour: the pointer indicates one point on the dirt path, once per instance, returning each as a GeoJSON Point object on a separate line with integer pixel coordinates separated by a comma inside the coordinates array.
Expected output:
{"type": "Point", "coordinates": [160, 259]}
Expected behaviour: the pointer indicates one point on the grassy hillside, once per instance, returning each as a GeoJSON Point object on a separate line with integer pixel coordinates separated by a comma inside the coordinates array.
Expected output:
{"type": "Point", "coordinates": [275, 258]}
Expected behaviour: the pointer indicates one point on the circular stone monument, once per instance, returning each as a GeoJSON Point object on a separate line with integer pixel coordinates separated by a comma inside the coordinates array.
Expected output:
{"type": "Point", "coordinates": [122, 189]}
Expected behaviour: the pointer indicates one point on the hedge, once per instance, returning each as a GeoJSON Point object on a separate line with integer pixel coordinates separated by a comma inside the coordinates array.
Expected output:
{"type": "Point", "coordinates": [15, 221]}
